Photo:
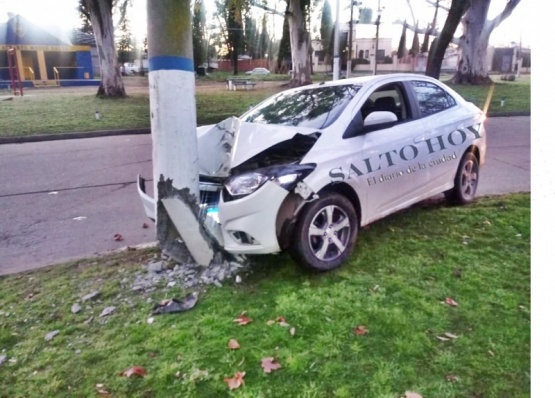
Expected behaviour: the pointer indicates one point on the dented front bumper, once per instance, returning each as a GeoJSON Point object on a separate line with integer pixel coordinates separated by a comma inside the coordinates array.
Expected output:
{"type": "Point", "coordinates": [242, 226]}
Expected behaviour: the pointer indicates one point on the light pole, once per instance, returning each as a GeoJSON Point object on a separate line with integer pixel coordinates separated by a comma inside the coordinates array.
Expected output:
{"type": "Point", "coordinates": [336, 43]}
{"type": "Point", "coordinates": [350, 54]}
{"type": "Point", "coordinates": [377, 38]}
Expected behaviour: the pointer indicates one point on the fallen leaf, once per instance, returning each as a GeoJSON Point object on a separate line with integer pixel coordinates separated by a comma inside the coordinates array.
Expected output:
{"type": "Point", "coordinates": [269, 364]}
{"type": "Point", "coordinates": [233, 344]}
{"type": "Point", "coordinates": [452, 378]}
{"type": "Point", "coordinates": [360, 330]}
{"type": "Point", "coordinates": [410, 394]}
{"type": "Point", "coordinates": [242, 320]}
{"type": "Point", "coordinates": [270, 322]}
{"type": "Point", "coordinates": [118, 237]}
{"type": "Point", "coordinates": [134, 370]}
{"type": "Point", "coordinates": [451, 302]}
{"type": "Point", "coordinates": [292, 331]}
{"type": "Point", "coordinates": [236, 381]}
{"type": "Point", "coordinates": [145, 225]}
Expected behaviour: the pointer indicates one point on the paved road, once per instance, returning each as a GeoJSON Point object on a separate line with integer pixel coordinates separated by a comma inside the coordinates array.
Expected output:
{"type": "Point", "coordinates": [64, 200]}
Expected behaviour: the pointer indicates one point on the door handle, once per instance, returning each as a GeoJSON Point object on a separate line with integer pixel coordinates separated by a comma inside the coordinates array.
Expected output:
{"type": "Point", "coordinates": [419, 138]}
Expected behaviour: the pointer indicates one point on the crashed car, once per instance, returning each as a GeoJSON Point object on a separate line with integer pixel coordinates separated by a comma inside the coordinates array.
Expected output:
{"type": "Point", "coordinates": [307, 168]}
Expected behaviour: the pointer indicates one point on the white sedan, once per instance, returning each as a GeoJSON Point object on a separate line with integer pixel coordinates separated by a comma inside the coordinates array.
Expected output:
{"type": "Point", "coordinates": [307, 168]}
{"type": "Point", "coordinates": [258, 71]}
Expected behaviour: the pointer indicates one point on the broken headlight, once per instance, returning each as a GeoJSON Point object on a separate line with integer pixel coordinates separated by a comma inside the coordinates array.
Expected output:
{"type": "Point", "coordinates": [285, 176]}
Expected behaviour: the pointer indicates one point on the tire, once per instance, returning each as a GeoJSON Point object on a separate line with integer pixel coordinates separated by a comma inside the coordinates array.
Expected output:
{"type": "Point", "coordinates": [466, 181]}
{"type": "Point", "coordinates": [325, 233]}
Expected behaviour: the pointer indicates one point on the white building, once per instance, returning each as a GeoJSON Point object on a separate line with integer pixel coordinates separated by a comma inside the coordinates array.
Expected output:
{"type": "Point", "coordinates": [364, 47]}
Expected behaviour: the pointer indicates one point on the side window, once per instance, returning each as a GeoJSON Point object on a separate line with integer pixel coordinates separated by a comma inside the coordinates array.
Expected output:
{"type": "Point", "coordinates": [389, 98]}
{"type": "Point", "coordinates": [431, 98]}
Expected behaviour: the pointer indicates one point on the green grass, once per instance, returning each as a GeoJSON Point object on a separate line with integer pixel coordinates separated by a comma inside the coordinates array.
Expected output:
{"type": "Point", "coordinates": [62, 110]}
{"type": "Point", "coordinates": [402, 270]}
{"type": "Point", "coordinates": [517, 95]}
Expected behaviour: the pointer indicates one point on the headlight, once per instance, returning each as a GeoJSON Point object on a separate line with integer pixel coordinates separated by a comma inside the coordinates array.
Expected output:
{"type": "Point", "coordinates": [286, 176]}
{"type": "Point", "coordinates": [245, 184]}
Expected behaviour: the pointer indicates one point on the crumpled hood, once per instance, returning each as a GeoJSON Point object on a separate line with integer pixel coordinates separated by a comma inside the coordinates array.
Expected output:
{"type": "Point", "coordinates": [231, 142]}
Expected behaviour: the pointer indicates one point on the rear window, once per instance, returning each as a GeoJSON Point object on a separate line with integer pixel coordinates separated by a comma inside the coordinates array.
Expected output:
{"type": "Point", "coordinates": [432, 98]}
{"type": "Point", "coordinates": [316, 107]}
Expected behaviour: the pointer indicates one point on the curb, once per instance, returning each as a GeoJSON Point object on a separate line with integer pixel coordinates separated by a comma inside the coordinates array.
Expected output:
{"type": "Point", "coordinates": [70, 136]}
{"type": "Point", "coordinates": [111, 133]}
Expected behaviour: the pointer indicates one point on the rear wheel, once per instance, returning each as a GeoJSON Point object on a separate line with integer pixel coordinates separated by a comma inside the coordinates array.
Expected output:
{"type": "Point", "coordinates": [325, 233]}
{"type": "Point", "coordinates": [466, 181]}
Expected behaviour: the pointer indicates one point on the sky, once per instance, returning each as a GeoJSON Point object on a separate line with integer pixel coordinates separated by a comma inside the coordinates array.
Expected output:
{"type": "Point", "coordinates": [62, 16]}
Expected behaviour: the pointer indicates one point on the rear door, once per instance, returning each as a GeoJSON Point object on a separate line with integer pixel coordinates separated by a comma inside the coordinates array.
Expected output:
{"type": "Point", "coordinates": [449, 131]}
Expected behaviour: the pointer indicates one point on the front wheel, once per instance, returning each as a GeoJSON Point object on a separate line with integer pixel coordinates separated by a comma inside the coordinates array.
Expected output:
{"type": "Point", "coordinates": [466, 181]}
{"type": "Point", "coordinates": [325, 233]}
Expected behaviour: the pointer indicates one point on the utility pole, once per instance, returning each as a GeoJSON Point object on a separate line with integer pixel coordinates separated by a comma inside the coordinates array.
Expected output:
{"type": "Point", "coordinates": [377, 38]}
{"type": "Point", "coordinates": [173, 128]}
{"type": "Point", "coordinates": [336, 66]}
{"type": "Point", "coordinates": [350, 55]}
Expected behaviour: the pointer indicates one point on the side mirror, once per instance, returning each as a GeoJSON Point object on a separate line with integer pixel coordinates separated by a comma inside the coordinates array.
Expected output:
{"type": "Point", "coordinates": [379, 117]}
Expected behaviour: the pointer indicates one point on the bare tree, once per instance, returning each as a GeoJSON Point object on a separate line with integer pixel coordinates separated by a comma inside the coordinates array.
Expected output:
{"type": "Point", "coordinates": [440, 43]}
{"type": "Point", "coordinates": [474, 41]}
{"type": "Point", "coordinates": [477, 29]}
{"type": "Point", "coordinates": [99, 12]}
{"type": "Point", "coordinates": [297, 14]}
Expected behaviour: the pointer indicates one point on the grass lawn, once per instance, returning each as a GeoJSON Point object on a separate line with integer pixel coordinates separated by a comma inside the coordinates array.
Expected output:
{"type": "Point", "coordinates": [62, 110]}
{"type": "Point", "coordinates": [393, 291]}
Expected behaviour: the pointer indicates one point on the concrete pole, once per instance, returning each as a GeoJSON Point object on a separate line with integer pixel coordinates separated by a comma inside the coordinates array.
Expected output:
{"type": "Point", "coordinates": [336, 66]}
{"type": "Point", "coordinates": [171, 78]}
{"type": "Point", "coordinates": [173, 128]}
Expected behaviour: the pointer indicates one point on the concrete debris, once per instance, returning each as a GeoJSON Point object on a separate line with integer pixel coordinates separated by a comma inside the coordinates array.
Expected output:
{"type": "Point", "coordinates": [156, 267]}
{"type": "Point", "coordinates": [176, 305]}
{"type": "Point", "coordinates": [107, 311]}
{"type": "Point", "coordinates": [51, 335]}
{"type": "Point", "coordinates": [90, 296]}
{"type": "Point", "coordinates": [75, 308]}
{"type": "Point", "coordinates": [166, 274]}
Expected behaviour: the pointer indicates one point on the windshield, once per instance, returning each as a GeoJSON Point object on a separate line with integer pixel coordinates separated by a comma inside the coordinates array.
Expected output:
{"type": "Point", "coordinates": [316, 107]}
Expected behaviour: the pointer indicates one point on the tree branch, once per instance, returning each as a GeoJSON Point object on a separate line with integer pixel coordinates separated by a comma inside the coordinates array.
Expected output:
{"type": "Point", "coordinates": [495, 22]}
{"type": "Point", "coordinates": [432, 2]}
{"type": "Point", "coordinates": [433, 32]}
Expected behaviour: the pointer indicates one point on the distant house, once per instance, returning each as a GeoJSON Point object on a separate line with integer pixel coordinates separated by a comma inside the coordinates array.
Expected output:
{"type": "Point", "coordinates": [42, 58]}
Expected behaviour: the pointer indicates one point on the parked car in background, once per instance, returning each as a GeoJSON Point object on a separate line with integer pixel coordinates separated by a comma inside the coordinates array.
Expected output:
{"type": "Point", "coordinates": [307, 168]}
{"type": "Point", "coordinates": [128, 68]}
{"type": "Point", "coordinates": [134, 68]}
{"type": "Point", "coordinates": [258, 71]}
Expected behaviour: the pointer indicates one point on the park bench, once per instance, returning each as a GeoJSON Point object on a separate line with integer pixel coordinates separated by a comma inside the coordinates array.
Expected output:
{"type": "Point", "coordinates": [233, 84]}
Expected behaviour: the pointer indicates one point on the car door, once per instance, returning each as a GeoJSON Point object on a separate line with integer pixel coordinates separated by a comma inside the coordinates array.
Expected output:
{"type": "Point", "coordinates": [447, 132]}
{"type": "Point", "coordinates": [392, 157]}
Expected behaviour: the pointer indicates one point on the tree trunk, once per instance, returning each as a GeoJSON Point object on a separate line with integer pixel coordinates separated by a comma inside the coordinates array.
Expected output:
{"type": "Point", "coordinates": [300, 44]}
{"type": "Point", "coordinates": [473, 67]}
{"type": "Point", "coordinates": [100, 11]}
{"type": "Point", "coordinates": [440, 43]}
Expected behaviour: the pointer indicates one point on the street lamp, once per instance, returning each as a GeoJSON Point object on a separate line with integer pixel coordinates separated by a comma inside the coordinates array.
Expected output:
{"type": "Point", "coordinates": [377, 37]}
